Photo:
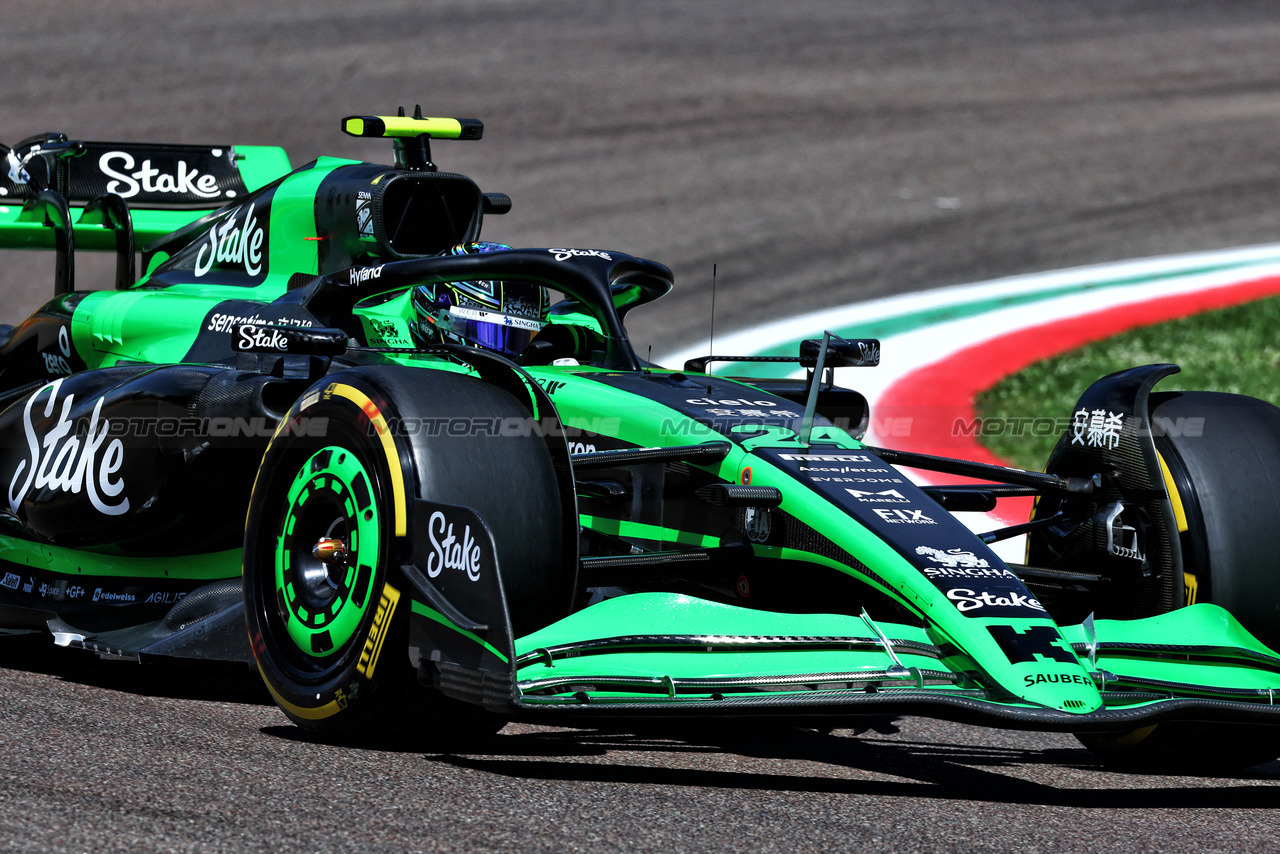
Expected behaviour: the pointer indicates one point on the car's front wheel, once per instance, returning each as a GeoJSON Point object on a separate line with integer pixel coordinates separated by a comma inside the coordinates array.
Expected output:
{"type": "Point", "coordinates": [1186, 747]}
{"type": "Point", "coordinates": [329, 528]}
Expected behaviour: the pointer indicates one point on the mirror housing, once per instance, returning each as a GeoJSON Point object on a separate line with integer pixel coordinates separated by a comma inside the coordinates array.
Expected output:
{"type": "Point", "coordinates": [841, 352]}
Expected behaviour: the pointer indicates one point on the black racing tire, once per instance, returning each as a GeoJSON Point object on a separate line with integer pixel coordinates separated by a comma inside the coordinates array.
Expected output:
{"type": "Point", "coordinates": [1225, 473]}
{"type": "Point", "coordinates": [331, 640]}
{"type": "Point", "coordinates": [1222, 452]}
{"type": "Point", "coordinates": [1186, 747]}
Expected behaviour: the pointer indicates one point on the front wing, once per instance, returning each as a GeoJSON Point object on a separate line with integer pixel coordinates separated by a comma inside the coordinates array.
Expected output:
{"type": "Point", "coordinates": [667, 654]}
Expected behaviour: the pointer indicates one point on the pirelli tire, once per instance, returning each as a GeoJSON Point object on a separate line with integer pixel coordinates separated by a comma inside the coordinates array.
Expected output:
{"type": "Point", "coordinates": [1220, 454]}
{"type": "Point", "coordinates": [330, 638]}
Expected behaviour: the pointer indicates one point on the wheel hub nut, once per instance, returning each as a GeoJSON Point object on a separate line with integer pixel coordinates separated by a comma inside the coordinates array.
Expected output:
{"type": "Point", "coordinates": [331, 551]}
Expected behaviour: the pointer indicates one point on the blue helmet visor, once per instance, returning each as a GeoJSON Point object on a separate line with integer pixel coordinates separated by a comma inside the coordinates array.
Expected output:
{"type": "Point", "coordinates": [504, 333]}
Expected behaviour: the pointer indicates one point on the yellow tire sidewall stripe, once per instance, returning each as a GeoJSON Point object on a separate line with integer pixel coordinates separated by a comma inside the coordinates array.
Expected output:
{"type": "Point", "coordinates": [367, 406]}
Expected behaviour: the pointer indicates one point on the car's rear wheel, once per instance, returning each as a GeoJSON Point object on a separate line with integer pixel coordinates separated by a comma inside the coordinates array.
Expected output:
{"type": "Point", "coordinates": [329, 527]}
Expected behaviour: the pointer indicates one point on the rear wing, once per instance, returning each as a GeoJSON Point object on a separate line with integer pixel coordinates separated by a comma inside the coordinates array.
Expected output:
{"type": "Point", "coordinates": [164, 187]}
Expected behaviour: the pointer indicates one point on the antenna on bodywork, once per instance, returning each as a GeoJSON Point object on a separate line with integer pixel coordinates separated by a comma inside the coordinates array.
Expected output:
{"type": "Point", "coordinates": [711, 344]}
{"type": "Point", "coordinates": [414, 153]}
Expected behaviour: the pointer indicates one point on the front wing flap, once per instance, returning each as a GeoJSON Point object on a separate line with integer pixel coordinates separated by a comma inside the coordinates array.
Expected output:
{"type": "Point", "coordinates": [663, 654]}
{"type": "Point", "coordinates": [741, 662]}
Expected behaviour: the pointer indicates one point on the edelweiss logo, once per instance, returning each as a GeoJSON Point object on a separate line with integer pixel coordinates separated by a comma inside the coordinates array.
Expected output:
{"type": "Point", "coordinates": [566, 254]}
{"type": "Point", "coordinates": [100, 595]}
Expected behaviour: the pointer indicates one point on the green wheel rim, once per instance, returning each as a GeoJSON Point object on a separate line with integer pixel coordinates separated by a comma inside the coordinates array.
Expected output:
{"type": "Point", "coordinates": [323, 604]}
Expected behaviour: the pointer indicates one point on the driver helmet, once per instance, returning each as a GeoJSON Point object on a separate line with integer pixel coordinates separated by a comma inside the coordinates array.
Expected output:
{"type": "Point", "coordinates": [496, 315]}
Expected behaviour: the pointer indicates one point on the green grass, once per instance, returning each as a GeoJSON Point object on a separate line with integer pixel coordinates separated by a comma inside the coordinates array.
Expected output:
{"type": "Point", "coordinates": [1235, 350]}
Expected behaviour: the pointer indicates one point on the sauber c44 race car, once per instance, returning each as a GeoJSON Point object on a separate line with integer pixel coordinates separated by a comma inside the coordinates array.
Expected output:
{"type": "Point", "coordinates": [419, 480]}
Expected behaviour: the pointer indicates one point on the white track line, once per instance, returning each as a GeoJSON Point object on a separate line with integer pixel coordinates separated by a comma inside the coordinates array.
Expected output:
{"type": "Point", "coordinates": [1094, 288]}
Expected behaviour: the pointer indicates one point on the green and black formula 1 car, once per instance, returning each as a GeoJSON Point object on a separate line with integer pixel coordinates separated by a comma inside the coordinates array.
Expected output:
{"type": "Point", "coordinates": [439, 498]}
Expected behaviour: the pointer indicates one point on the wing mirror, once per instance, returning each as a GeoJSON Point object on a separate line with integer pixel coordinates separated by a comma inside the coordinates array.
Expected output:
{"type": "Point", "coordinates": [841, 352]}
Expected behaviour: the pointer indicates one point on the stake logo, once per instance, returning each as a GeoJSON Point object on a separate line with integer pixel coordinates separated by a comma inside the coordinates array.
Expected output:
{"type": "Point", "coordinates": [257, 338]}
{"type": "Point", "coordinates": [234, 242]}
{"type": "Point", "coordinates": [65, 461]}
{"type": "Point", "coordinates": [970, 600]}
{"type": "Point", "coordinates": [148, 179]}
{"type": "Point", "coordinates": [566, 254]}
{"type": "Point", "coordinates": [450, 552]}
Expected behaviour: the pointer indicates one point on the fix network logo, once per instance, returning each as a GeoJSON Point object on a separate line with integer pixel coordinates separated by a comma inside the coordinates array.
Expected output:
{"type": "Point", "coordinates": [896, 516]}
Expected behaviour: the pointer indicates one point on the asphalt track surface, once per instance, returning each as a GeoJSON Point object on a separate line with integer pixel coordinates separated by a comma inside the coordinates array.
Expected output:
{"type": "Point", "coordinates": [816, 153]}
